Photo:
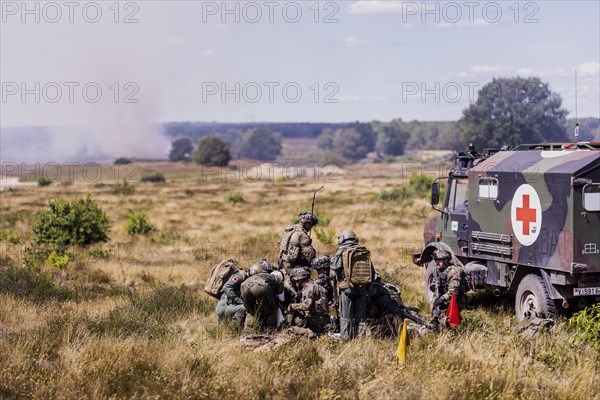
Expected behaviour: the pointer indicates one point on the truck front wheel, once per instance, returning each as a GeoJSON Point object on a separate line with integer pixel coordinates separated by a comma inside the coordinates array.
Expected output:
{"type": "Point", "coordinates": [532, 299]}
{"type": "Point", "coordinates": [429, 277]}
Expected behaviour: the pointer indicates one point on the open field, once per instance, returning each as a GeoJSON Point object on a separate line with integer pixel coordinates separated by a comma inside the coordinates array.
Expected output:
{"type": "Point", "coordinates": [130, 319]}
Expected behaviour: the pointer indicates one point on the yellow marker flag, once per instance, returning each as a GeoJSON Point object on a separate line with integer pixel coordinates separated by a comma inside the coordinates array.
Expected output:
{"type": "Point", "coordinates": [402, 344]}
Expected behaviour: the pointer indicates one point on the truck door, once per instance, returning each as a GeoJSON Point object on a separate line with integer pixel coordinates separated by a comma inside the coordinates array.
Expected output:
{"type": "Point", "coordinates": [455, 220]}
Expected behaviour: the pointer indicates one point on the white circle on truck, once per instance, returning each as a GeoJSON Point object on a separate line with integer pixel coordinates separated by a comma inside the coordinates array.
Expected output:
{"type": "Point", "coordinates": [526, 215]}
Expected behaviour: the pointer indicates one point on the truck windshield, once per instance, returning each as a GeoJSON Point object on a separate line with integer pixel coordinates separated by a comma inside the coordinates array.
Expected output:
{"type": "Point", "coordinates": [459, 194]}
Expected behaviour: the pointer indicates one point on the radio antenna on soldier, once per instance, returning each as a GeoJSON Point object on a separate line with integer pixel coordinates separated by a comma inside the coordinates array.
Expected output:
{"type": "Point", "coordinates": [312, 210]}
{"type": "Point", "coordinates": [576, 120]}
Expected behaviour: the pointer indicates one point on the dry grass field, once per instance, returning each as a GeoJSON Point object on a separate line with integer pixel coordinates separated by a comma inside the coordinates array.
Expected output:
{"type": "Point", "coordinates": [129, 319]}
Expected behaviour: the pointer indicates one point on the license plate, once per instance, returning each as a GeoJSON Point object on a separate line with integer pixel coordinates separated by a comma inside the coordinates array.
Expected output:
{"type": "Point", "coordinates": [586, 291]}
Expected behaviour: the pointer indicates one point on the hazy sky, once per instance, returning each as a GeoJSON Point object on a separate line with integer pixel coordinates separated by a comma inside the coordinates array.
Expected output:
{"type": "Point", "coordinates": [284, 61]}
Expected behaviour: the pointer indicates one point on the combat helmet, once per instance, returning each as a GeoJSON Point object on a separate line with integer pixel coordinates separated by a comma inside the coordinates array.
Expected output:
{"type": "Point", "coordinates": [321, 262]}
{"type": "Point", "coordinates": [347, 235]}
{"type": "Point", "coordinates": [441, 255]}
{"type": "Point", "coordinates": [256, 268]}
{"type": "Point", "coordinates": [308, 217]}
{"type": "Point", "coordinates": [299, 275]}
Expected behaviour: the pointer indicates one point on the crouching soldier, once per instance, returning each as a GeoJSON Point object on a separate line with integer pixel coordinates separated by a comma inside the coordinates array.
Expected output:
{"type": "Point", "coordinates": [231, 305]}
{"type": "Point", "coordinates": [449, 279]}
{"type": "Point", "coordinates": [384, 304]}
{"type": "Point", "coordinates": [312, 311]}
{"type": "Point", "coordinates": [321, 265]}
{"type": "Point", "coordinates": [261, 293]}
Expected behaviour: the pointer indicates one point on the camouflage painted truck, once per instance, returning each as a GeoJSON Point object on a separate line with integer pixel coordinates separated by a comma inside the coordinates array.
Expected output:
{"type": "Point", "coordinates": [524, 221]}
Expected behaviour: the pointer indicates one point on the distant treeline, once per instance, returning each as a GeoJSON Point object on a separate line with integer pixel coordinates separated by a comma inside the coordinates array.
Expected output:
{"type": "Point", "coordinates": [421, 134]}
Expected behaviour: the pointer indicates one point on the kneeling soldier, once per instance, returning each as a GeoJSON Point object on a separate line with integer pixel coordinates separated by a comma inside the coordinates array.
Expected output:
{"type": "Point", "coordinates": [312, 311]}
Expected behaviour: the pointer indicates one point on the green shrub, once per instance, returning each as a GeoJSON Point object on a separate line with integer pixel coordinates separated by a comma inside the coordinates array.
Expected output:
{"type": "Point", "coordinates": [234, 197]}
{"type": "Point", "coordinates": [31, 283]}
{"type": "Point", "coordinates": [138, 223]}
{"type": "Point", "coordinates": [170, 236]}
{"type": "Point", "coordinates": [10, 236]}
{"type": "Point", "coordinates": [43, 181]}
{"type": "Point", "coordinates": [123, 188]}
{"type": "Point", "coordinates": [155, 177]}
{"type": "Point", "coordinates": [122, 161]}
{"type": "Point", "coordinates": [420, 184]}
{"type": "Point", "coordinates": [57, 260]}
{"type": "Point", "coordinates": [78, 222]}
{"type": "Point", "coordinates": [397, 194]}
{"type": "Point", "coordinates": [325, 237]}
{"type": "Point", "coordinates": [587, 324]}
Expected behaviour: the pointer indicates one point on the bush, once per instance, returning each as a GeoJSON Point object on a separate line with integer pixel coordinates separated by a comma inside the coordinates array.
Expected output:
{"type": "Point", "coordinates": [234, 197]}
{"type": "Point", "coordinates": [587, 323]}
{"type": "Point", "coordinates": [325, 237]}
{"type": "Point", "coordinates": [397, 194]}
{"type": "Point", "coordinates": [124, 188]}
{"type": "Point", "coordinates": [122, 161]}
{"type": "Point", "coordinates": [78, 222]}
{"type": "Point", "coordinates": [10, 236]}
{"type": "Point", "coordinates": [138, 223]}
{"type": "Point", "coordinates": [44, 181]}
{"type": "Point", "coordinates": [32, 284]}
{"type": "Point", "coordinates": [156, 177]}
{"type": "Point", "coordinates": [181, 150]}
{"type": "Point", "coordinates": [58, 261]}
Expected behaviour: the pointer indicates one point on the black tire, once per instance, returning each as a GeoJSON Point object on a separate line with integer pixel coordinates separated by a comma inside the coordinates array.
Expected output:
{"type": "Point", "coordinates": [429, 276]}
{"type": "Point", "coordinates": [532, 299]}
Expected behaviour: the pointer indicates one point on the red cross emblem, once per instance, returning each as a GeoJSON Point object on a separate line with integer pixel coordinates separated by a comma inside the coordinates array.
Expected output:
{"type": "Point", "coordinates": [525, 214]}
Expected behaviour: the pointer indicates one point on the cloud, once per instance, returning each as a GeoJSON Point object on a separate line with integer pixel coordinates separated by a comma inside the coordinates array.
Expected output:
{"type": "Point", "coordinates": [488, 69]}
{"type": "Point", "coordinates": [375, 7]}
{"type": "Point", "coordinates": [589, 69]}
{"type": "Point", "coordinates": [525, 72]}
{"type": "Point", "coordinates": [476, 23]}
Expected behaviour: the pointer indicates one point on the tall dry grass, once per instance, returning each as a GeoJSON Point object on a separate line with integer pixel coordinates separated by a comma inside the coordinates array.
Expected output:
{"type": "Point", "coordinates": [135, 323]}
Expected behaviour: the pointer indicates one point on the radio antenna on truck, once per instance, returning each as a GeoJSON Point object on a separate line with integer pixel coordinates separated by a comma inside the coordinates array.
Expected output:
{"type": "Point", "coordinates": [576, 120]}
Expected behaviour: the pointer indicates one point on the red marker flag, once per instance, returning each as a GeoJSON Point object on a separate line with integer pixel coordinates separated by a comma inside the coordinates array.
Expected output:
{"type": "Point", "coordinates": [453, 312]}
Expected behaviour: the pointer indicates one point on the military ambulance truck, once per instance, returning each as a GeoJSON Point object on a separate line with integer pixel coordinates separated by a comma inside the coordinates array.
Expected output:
{"type": "Point", "coordinates": [524, 221]}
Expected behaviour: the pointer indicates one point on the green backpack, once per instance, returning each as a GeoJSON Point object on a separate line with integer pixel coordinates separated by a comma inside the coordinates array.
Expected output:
{"type": "Point", "coordinates": [219, 275]}
{"type": "Point", "coordinates": [358, 272]}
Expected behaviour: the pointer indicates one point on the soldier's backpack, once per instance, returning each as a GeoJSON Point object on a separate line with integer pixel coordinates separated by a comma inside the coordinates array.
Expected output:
{"type": "Point", "coordinates": [284, 244]}
{"type": "Point", "coordinates": [321, 303]}
{"type": "Point", "coordinates": [219, 275]}
{"type": "Point", "coordinates": [356, 261]}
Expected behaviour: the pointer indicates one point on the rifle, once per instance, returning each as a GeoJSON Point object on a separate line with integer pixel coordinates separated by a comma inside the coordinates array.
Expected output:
{"type": "Point", "coordinates": [435, 310]}
{"type": "Point", "coordinates": [406, 313]}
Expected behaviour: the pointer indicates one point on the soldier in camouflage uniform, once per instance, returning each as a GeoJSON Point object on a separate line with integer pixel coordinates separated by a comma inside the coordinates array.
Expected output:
{"type": "Point", "coordinates": [261, 293]}
{"type": "Point", "coordinates": [449, 279]}
{"type": "Point", "coordinates": [231, 304]}
{"type": "Point", "coordinates": [321, 265]}
{"type": "Point", "coordinates": [295, 247]}
{"type": "Point", "coordinates": [312, 311]}
{"type": "Point", "coordinates": [352, 301]}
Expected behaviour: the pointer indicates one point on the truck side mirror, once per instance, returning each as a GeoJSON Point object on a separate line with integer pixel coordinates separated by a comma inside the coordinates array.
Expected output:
{"type": "Point", "coordinates": [435, 193]}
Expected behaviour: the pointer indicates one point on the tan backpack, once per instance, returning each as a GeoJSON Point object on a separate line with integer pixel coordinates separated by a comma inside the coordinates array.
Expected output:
{"type": "Point", "coordinates": [357, 266]}
{"type": "Point", "coordinates": [284, 244]}
{"type": "Point", "coordinates": [219, 275]}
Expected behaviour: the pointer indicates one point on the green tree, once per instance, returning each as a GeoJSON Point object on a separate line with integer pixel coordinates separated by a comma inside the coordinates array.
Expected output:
{"type": "Point", "coordinates": [260, 144]}
{"type": "Point", "coordinates": [391, 139]}
{"type": "Point", "coordinates": [511, 111]}
{"type": "Point", "coordinates": [212, 150]}
{"type": "Point", "coordinates": [325, 139]}
{"type": "Point", "coordinates": [181, 150]}
{"type": "Point", "coordinates": [355, 142]}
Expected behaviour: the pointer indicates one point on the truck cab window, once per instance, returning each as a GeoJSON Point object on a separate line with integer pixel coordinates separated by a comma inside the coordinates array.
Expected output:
{"type": "Point", "coordinates": [459, 194]}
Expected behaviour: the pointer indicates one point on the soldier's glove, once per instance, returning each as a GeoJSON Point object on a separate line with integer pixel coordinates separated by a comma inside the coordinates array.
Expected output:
{"type": "Point", "coordinates": [438, 301]}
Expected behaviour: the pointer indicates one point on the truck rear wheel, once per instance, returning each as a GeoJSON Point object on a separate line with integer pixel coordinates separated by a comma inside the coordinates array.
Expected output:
{"type": "Point", "coordinates": [429, 277]}
{"type": "Point", "coordinates": [532, 299]}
